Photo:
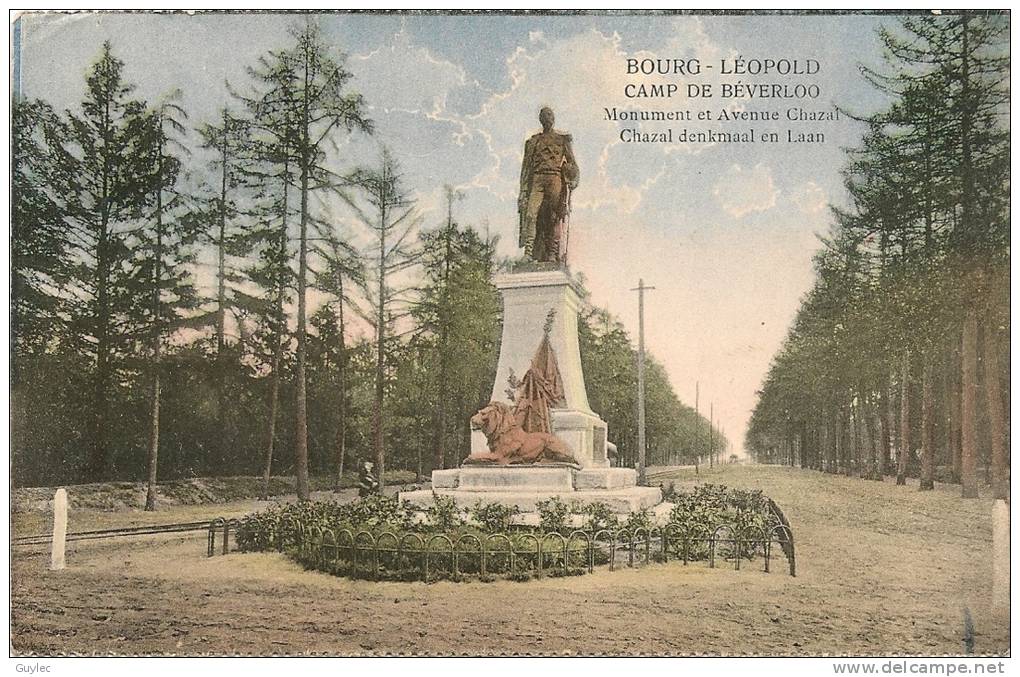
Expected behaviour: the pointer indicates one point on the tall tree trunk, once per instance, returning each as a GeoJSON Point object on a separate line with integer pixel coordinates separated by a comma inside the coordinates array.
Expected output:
{"type": "Point", "coordinates": [221, 309]}
{"type": "Point", "coordinates": [927, 423]}
{"type": "Point", "coordinates": [855, 440]}
{"type": "Point", "coordinates": [903, 453]}
{"type": "Point", "coordinates": [157, 339]}
{"type": "Point", "coordinates": [380, 345]}
{"type": "Point", "coordinates": [870, 432]}
{"type": "Point", "coordinates": [150, 490]}
{"type": "Point", "coordinates": [99, 451]}
{"type": "Point", "coordinates": [834, 443]}
{"type": "Point", "coordinates": [274, 403]}
{"type": "Point", "coordinates": [953, 410]}
{"type": "Point", "coordinates": [886, 418]}
{"type": "Point", "coordinates": [996, 418]}
{"type": "Point", "coordinates": [439, 445]}
{"type": "Point", "coordinates": [838, 441]}
{"type": "Point", "coordinates": [826, 442]}
{"type": "Point", "coordinates": [439, 427]}
{"type": "Point", "coordinates": [301, 399]}
{"type": "Point", "coordinates": [803, 444]}
{"type": "Point", "coordinates": [274, 386]}
{"type": "Point", "coordinates": [341, 426]}
{"type": "Point", "coordinates": [968, 358]}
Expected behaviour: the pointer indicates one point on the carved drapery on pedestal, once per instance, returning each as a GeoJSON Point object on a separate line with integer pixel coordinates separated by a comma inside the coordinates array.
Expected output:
{"type": "Point", "coordinates": [540, 390]}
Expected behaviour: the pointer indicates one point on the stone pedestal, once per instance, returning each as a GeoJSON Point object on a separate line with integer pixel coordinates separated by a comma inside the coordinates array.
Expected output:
{"type": "Point", "coordinates": [528, 299]}
{"type": "Point", "coordinates": [525, 485]}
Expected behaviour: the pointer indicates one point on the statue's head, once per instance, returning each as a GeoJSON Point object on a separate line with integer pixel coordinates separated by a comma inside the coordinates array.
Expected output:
{"type": "Point", "coordinates": [495, 419]}
{"type": "Point", "coordinates": [546, 117]}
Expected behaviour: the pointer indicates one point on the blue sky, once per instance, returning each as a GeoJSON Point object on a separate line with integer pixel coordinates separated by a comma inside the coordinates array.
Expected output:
{"type": "Point", "coordinates": [724, 232]}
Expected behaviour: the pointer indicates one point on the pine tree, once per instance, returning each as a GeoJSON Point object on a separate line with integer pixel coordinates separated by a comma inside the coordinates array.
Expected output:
{"type": "Point", "coordinates": [162, 257]}
{"type": "Point", "coordinates": [228, 142]}
{"type": "Point", "coordinates": [100, 179]}
{"type": "Point", "coordinates": [342, 274]}
{"type": "Point", "coordinates": [307, 88]}
{"type": "Point", "coordinates": [383, 207]}
{"type": "Point", "coordinates": [39, 245]}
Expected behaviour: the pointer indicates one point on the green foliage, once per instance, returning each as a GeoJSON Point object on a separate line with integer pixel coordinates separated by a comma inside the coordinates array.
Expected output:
{"type": "Point", "coordinates": [300, 528]}
{"type": "Point", "coordinates": [278, 525]}
{"type": "Point", "coordinates": [494, 517]}
{"type": "Point", "coordinates": [553, 514]}
{"type": "Point", "coordinates": [321, 535]}
{"type": "Point", "coordinates": [457, 339]}
{"type": "Point", "coordinates": [599, 516]}
{"type": "Point", "coordinates": [708, 506]}
{"type": "Point", "coordinates": [444, 514]}
{"type": "Point", "coordinates": [638, 520]}
{"type": "Point", "coordinates": [925, 236]}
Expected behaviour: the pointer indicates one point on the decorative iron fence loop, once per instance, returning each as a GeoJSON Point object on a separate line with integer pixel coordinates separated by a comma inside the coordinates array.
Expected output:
{"type": "Point", "coordinates": [785, 541]}
{"type": "Point", "coordinates": [402, 549]}
{"type": "Point", "coordinates": [386, 537]}
{"type": "Point", "coordinates": [330, 546]}
{"type": "Point", "coordinates": [538, 552]}
{"type": "Point", "coordinates": [372, 549]}
{"type": "Point", "coordinates": [630, 544]}
{"type": "Point", "coordinates": [563, 549]}
{"type": "Point", "coordinates": [428, 552]}
{"type": "Point", "coordinates": [466, 538]}
{"type": "Point", "coordinates": [509, 548]}
{"type": "Point", "coordinates": [643, 534]}
{"type": "Point", "coordinates": [589, 549]}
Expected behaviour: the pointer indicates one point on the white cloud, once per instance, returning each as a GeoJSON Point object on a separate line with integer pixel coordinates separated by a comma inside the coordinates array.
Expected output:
{"type": "Point", "coordinates": [740, 192]}
{"type": "Point", "coordinates": [405, 77]}
{"type": "Point", "coordinates": [810, 198]}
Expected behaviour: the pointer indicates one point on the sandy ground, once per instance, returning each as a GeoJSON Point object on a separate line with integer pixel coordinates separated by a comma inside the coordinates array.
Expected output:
{"type": "Point", "coordinates": [881, 570]}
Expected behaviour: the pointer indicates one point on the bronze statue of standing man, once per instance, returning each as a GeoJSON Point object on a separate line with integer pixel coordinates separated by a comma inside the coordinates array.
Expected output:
{"type": "Point", "coordinates": [548, 174]}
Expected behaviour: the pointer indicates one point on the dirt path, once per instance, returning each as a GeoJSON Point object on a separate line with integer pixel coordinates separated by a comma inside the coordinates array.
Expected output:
{"type": "Point", "coordinates": [882, 569]}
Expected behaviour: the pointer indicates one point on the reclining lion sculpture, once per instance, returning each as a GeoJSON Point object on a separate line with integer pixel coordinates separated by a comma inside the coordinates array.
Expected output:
{"type": "Point", "coordinates": [510, 444]}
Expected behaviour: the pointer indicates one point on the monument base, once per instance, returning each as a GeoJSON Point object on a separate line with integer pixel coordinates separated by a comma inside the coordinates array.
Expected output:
{"type": "Point", "coordinates": [583, 432]}
{"type": "Point", "coordinates": [526, 485]}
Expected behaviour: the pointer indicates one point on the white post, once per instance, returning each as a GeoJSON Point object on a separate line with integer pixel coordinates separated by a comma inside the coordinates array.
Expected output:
{"type": "Point", "coordinates": [1000, 556]}
{"type": "Point", "coordinates": [59, 529]}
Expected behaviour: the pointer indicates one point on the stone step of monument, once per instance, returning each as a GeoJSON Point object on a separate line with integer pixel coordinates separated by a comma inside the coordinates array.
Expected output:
{"type": "Point", "coordinates": [659, 516]}
{"type": "Point", "coordinates": [623, 501]}
{"type": "Point", "coordinates": [539, 477]}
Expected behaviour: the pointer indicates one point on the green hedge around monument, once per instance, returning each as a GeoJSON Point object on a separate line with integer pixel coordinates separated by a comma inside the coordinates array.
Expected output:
{"type": "Point", "coordinates": [380, 538]}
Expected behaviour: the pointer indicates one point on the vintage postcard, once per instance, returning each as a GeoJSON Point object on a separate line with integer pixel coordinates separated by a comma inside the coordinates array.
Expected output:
{"type": "Point", "coordinates": [460, 333]}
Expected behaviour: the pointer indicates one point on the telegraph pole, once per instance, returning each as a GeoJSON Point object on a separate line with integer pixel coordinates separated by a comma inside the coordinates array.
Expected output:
{"type": "Point", "coordinates": [697, 425]}
{"type": "Point", "coordinates": [641, 289]}
{"type": "Point", "coordinates": [711, 435]}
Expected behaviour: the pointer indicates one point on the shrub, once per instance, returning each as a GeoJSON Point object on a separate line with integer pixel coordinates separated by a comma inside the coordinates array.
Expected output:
{"type": "Point", "coordinates": [599, 516]}
{"type": "Point", "coordinates": [401, 556]}
{"type": "Point", "coordinates": [494, 517]}
{"type": "Point", "coordinates": [701, 511]}
{"type": "Point", "coordinates": [444, 515]}
{"type": "Point", "coordinates": [553, 514]}
{"type": "Point", "coordinates": [638, 520]}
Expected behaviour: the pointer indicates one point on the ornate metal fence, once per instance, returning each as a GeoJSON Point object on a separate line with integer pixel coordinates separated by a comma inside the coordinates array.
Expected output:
{"type": "Point", "coordinates": [413, 556]}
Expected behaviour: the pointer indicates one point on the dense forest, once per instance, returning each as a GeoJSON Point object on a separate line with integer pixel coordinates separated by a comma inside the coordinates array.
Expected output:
{"type": "Point", "coordinates": [897, 362]}
{"type": "Point", "coordinates": [236, 297]}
